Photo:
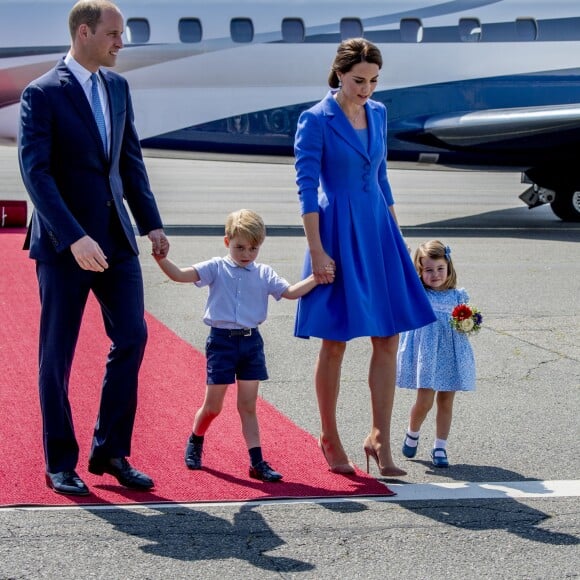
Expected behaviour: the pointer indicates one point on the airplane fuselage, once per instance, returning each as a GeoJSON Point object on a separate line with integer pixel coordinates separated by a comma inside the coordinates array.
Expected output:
{"type": "Point", "coordinates": [480, 83]}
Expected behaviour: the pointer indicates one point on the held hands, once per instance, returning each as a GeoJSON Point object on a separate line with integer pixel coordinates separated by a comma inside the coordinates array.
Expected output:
{"type": "Point", "coordinates": [159, 244]}
{"type": "Point", "coordinates": [323, 268]}
{"type": "Point", "coordinates": [89, 255]}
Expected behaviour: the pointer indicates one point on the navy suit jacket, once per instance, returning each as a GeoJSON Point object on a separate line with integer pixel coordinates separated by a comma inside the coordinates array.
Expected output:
{"type": "Point", "coordinates": [71, 182]}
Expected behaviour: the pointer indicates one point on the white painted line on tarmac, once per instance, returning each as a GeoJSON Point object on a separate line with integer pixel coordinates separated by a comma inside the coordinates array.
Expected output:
{"type": "Point", "coordinates": [484, 490]}
{"type": "Point", "coordinates": [455, 491]}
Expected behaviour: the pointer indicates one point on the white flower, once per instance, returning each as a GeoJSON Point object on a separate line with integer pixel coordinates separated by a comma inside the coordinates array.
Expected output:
{"type": "Point", "coordinates": [466, 325]}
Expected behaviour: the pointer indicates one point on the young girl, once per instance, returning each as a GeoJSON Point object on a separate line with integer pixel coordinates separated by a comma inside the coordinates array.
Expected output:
{"type": "Point", "coordinates": [436, 359]}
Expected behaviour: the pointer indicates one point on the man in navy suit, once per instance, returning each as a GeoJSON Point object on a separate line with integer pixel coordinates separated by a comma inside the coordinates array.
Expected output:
{"type": "Point", "coordinates": [82, 239]}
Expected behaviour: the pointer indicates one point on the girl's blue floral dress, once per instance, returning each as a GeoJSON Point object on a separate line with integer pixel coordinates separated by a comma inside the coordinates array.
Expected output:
{"type": "Point", "coordinates": [436, 356]}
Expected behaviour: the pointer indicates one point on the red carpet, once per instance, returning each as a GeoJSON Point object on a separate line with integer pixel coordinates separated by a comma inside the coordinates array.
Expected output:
{"type": "Point", "coordinates": [171, 388]}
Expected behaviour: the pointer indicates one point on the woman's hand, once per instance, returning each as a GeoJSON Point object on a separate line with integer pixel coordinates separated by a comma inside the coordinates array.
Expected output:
{"type": "Point", "coordinates": [323, 267]}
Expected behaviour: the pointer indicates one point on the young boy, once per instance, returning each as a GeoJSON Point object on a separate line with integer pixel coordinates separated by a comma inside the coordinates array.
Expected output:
{"type": "Point", "coordinates": [237, 304]}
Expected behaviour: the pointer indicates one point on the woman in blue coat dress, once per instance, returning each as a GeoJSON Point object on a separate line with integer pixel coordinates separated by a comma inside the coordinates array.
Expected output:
{"type": "Point", "coordinates": [351, 227]}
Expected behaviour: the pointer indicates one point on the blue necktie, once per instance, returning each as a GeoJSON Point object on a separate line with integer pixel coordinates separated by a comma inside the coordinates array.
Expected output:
{"type": "Point", "coordinates": [98, 111]}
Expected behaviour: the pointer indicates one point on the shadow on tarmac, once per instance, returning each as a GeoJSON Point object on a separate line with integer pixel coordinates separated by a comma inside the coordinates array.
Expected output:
{"type": "Point", "coordinates": [188, 534]}
{"type": "Point", "coordinates": [505, 223]}
{"type": "Point", "coordinates": [489, 514]}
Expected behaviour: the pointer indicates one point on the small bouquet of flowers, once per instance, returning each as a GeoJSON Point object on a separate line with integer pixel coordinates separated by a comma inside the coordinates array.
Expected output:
{"type": "Point", "coordinates": [466, 318]}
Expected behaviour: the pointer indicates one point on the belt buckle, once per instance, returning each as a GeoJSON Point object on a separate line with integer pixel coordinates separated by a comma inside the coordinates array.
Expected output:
{"type": "Point", "coordinates": [246, 332]}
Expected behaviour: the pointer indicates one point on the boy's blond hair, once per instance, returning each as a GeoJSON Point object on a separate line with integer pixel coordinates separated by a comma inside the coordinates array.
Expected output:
{"type": "Point", "coordinates": [247, 224]}
{"type": "Point", "coordinates": [435, 250]}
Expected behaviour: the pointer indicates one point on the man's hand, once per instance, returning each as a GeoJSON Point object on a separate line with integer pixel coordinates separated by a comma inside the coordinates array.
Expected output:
{"type": "Point", "coordinates": [159, 242]}
{"type": "Point", "coordinates": [89, 255]}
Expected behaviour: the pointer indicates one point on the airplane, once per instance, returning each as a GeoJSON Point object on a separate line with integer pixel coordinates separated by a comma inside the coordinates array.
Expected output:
{"type": "Point", "coordinates": [467, 83]}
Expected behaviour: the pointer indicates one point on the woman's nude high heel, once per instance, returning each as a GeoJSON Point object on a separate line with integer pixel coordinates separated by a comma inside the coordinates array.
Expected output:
{"type": "Point", "coordinates": [370, 451]}
{"type": "Point", "coordinates": [342, 468]}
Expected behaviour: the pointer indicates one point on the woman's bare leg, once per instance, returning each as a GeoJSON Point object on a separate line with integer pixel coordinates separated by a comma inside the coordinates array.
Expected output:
{"type": "Point", "coordinates": [382, 375]}
{"type": "Point", "coordinates": [327, 381]}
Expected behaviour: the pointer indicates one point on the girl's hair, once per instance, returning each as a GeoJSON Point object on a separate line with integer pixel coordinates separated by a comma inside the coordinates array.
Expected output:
{"type": "Point", "coordinates": [247, 224]}
{"type": "Point", "coordinates": [435, 250]}
{"type": "Point", "coordinates": [351, 52]}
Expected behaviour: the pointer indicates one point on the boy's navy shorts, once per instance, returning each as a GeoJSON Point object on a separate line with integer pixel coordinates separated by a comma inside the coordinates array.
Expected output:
{"type": "Point", "coordinates": [235, 354]}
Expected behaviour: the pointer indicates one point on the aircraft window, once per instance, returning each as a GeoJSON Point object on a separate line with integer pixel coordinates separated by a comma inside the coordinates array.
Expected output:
{"type": "Point", "coordinates": [469, 30]}
{"type": "Point", "coordinates": [411, 30]}
{"type": "Point", "coordinates": [292, 30]}
{"type": "Point", "coordinates": [350, 28]}
{"type": "Point", "coordinates": [241, 30]}
{"type": "Point", "coordinates": [190, 30]}
{"type": "Point", "coordinates": [526, 29]}
{"type": "Point", "coordinates": [137, 30]}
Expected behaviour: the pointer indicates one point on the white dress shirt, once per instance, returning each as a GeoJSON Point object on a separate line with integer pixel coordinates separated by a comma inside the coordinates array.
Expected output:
{"type": "Point", "coordinates": [84, 77]}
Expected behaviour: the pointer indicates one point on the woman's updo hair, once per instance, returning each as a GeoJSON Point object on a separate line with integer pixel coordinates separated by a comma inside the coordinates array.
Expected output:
{"type": "Point", "coordinates": [351, 52]}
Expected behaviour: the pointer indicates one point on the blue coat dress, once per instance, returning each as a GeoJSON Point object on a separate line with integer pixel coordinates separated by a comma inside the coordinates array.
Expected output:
{"type": "Point", "coordinates": [376, 291]}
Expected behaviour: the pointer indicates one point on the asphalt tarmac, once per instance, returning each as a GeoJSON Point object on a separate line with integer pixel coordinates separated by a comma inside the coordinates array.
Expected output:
{"type": "Point", "coordinates": [507, 507]}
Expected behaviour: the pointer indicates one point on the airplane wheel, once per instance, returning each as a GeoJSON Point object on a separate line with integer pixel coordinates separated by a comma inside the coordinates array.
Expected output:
{"type": "Point", "coordinates": [567, 205]}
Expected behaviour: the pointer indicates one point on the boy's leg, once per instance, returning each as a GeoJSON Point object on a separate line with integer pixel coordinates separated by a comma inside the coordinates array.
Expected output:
{"type": "Point", "coordinates": [221, 354]}
{"type": "Point", "coordinates": [247, 397]}
{"type": "Point", "coordinates": [212, 405]}
{"type": "Point", "coordinates": [211, 408]}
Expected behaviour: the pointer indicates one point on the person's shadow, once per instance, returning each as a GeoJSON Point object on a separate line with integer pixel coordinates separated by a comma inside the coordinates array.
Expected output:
{"type": "Point", "coordinates": [489, 514]}
{"type": "Point", "coordinates": [189, 534]}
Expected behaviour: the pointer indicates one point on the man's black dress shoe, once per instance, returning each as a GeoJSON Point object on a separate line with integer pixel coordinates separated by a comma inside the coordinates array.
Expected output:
{"type": "Point", "coordinates": [121, 469]}
{"type": "Point", "coordinates": [66, 482]}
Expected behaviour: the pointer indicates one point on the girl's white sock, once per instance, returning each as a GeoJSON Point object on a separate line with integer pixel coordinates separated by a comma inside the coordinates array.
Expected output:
{"type": "Point", "coordinates": [440, 444]}
{"type": "Point", "coordinates": [412, 442]}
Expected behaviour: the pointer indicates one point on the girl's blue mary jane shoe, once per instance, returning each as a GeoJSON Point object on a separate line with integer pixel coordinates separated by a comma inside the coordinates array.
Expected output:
{"type": "Point", "coordinates": [409, 451]}
{"type": "Point", "coordinates": [439, 457]}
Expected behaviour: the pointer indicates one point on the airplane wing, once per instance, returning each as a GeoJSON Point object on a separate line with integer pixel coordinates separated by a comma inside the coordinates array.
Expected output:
{"type": "Point", "coordinates": [527, 127]}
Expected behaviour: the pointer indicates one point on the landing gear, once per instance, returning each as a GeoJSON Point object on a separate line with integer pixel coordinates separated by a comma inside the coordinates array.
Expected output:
{"type": "Point", "coordinates": [567, 205]}
{"type": "Point", "coordinates": [562, 194]}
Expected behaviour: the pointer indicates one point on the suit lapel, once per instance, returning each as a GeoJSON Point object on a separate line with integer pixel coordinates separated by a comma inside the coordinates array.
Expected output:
{"type": "Point", "coordinates": [339, 123]}
{"type": "Point", "coordinates": [76, 95]}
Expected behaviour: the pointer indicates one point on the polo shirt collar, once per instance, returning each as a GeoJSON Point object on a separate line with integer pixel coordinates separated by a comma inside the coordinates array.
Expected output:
{"type": "Point", "coordinates": [230, 262]}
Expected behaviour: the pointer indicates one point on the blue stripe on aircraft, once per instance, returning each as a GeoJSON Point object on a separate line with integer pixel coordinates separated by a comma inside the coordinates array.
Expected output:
{"type": "Point", "coordinates": [271, 131]}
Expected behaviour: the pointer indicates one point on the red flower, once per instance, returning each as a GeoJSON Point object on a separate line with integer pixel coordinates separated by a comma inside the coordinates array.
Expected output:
{"type": "Point", "coordinates": [462, 312]}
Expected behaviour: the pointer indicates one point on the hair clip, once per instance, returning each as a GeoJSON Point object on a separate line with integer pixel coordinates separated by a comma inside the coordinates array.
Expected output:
{"type": "Point", "coordinates": [447, 253]}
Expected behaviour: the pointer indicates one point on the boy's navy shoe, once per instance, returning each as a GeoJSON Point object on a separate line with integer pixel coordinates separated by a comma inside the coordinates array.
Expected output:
{"type": "Point", "coordinates": [193, 453]}
{"type": "Point", "coordinates": [264, 472]}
